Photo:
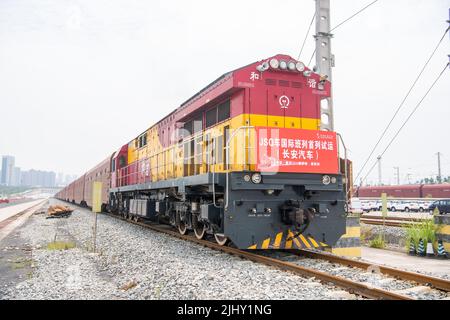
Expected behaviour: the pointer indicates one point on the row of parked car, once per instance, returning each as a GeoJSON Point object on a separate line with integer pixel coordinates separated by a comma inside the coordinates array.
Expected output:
{"type": "Point", "coordinates": [360, 206]}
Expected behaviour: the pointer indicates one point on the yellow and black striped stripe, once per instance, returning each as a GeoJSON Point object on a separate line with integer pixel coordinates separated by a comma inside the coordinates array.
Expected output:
{"type": "Point", "coordinates": [350, 244]}
{"type": "Point", "coordinates": [288, 240]}
{"type": "Point", "coordinates": [443, 233]}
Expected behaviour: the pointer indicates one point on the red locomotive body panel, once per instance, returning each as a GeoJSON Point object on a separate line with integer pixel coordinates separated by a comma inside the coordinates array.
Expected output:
{"type": "Point", "coordinates": [118, 162]}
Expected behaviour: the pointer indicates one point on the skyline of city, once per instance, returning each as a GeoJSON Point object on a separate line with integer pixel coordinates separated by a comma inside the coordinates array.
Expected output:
{"type": "Point", "coordinates": [12, 175]}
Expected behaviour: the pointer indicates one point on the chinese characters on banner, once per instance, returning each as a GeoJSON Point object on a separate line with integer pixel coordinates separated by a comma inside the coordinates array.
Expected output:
{"type": "Point", "coordinates": [295, 150]}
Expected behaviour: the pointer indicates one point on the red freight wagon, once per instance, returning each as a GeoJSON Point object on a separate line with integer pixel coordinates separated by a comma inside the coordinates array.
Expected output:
{"type": "Point", "coordinates": [436, 191]}
{"type": "Point", "coordinates": [70, 192]}
{"type": "Point", "coordinates": [410, 191]}
{"type": "Point", "coordinates": [101, 173]}
{"type": "Point", "coordinates": [79, 190]}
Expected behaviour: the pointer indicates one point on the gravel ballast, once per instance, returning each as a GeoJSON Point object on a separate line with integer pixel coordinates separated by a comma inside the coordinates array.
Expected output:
{"type": "Point", "coordinates": [135, 263]}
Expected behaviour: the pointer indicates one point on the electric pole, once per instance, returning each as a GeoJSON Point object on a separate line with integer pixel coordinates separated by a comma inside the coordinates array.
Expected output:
{"type": "Point", "coordinates": [397, 169]}
{"type": "Point", "coordinates": [324, 58]}
{"type": "Point", "coordinates": [439, 178]}
{"type": "Point", "coordinates": [380, 177]}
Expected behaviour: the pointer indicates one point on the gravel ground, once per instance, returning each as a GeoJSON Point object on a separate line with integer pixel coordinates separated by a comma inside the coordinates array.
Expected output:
{"type": "Point", "coordinates": [370, 277]}
{"type": "Point", "coordinates": [135, 263]}
{"type": "Point", "coordinates": [395, 236]}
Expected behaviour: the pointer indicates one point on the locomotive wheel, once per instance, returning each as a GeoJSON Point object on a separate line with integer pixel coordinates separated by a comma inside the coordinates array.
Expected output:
{"type": "Point", "coordinates": [200, 231]}
{"type": "Point", "coordinates": [181, 225]}
{"type": "Point", "coordinates": [221, 239]}
{"type": "Point", "coordinates": [199, 228]}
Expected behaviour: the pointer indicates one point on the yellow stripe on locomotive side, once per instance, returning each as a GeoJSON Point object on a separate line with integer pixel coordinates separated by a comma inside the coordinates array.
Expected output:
{"type": "Point", "coordinates": [278, 239]}
{"type": "Point", "coordinates": [297, 243]}
{"type": "Point", "coordinates": [265, 244]}
{"type": "Point", "coordinates": [289, 240]}
{"type": "Point", "coordinates": [168, 163]}
{"type": "Point", "coordinates": [302, 237]}
{"type": "Point", "coordinates": [314, 243]}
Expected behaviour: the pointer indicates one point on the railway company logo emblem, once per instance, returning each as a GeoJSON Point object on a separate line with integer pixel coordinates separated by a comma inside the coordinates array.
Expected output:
{"type": "Point", "coordinates": [254, 76]}
{"type": "Point", "coordinates": [312, 83]}
{"type": "Point", "coordinates": [285, 102]}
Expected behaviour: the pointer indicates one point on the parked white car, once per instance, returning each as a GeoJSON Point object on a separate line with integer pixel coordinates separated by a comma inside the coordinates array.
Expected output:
{"type": "Point", "coordinates": [403, 206]}
{"type": "Point", "coordinates": [367, 206]}
{"type": "Point", "coordinates": [356, 206]}
{"type": "Point", "coordinates": [420, 206]}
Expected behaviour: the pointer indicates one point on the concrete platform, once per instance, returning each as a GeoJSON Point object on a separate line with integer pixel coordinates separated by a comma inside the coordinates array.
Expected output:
{"type": "Point", "coordinates": [403, 261]}
{"type": "Point", "coordinates": [8, 212]}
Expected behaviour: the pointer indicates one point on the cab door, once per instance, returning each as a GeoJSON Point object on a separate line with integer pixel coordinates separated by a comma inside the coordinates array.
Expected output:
{"type": "Point", "coordinates": [277, 101]}
{"type": "Point", "coordinates": [290, 103]}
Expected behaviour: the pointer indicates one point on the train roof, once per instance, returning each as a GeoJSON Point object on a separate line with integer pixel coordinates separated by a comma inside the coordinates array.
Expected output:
{"type": "Point", "coordinates": [217, 83]}
{"type": "Point", "coordinates": [402, 187]}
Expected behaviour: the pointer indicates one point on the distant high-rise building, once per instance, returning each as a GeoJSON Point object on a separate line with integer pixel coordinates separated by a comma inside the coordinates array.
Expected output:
{"type": "Point", "coordinates": [60, 179]}
{"type": "Point", "coordinates": [16, 179]}
{"type": "Point", "coordinates": [35, 178]}
{"type": "Point", "coordinates": [7, 170]}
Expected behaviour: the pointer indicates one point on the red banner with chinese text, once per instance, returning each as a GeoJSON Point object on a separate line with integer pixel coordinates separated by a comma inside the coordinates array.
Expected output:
{"type": "Point", "coordinates": [297, 151]}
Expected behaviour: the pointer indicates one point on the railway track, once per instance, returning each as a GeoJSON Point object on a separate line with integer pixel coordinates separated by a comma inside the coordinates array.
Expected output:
{"type": "Point", "coordinates": [391, 221]}
{"type": "Point", "coordinates": [353, 287]}
{"type": "Point", "coordinates": [437, 283]}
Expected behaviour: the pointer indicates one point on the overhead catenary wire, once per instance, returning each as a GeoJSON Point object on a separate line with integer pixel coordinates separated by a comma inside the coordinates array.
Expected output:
{"type": "Point", "coordinates": [343, 22]}
{"type": "Point", "coordinates": [306, 36]}
{"type": "Point", "coordinates": [401, 106]}
{"type": "Point", "coordinates": [408, 119]}
{"type": "Point", "coordinates": [354, 15]}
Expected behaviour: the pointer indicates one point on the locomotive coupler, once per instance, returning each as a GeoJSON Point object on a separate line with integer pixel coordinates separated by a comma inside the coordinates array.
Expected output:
{"type": "Point", "coordinates": [294, 215]}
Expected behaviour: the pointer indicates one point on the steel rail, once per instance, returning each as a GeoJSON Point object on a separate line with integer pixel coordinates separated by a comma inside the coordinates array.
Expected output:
{"type": "Point", "coordinates": [346, 284]}
{"type": "Point", "coordinates": [438, 283]}
{"type": "Point", "coordinates": [395, 218]}
{"type": "Point", "coordinates": [378, 222]}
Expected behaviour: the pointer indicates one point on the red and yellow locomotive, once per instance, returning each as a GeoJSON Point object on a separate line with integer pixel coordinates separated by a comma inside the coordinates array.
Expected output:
{"type": "Point", "coordinates": [243, 160]}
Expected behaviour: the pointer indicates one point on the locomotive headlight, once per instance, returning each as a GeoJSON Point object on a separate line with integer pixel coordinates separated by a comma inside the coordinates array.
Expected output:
{"type": "Point", "coordinates": [283, 65]}
{"type": "Point", "coordinates": [256, 178]}
{"type": "Point", "coordinates": [333, 180]}
{"type": "Point", "coordinates": [326, 180]}
{"type": "Point", "coordinates": [300, 66]}
{"type": "Point", "coordinates": [247, 178]}
{"type": "Point", "coordinates": [291, 65]}
{"type": "Point", "coordinates": [274, 63]}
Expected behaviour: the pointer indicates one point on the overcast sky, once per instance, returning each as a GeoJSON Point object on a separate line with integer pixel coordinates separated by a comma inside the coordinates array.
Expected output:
{"type": "Point", "coordinates": [79, 78]}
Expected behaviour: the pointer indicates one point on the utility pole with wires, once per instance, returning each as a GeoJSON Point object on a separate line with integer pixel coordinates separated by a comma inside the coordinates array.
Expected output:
{"type": "Point", "coordinates": [397, 170]}
{"type": "Point", "coordinates": [439, 177]}
{"type": "Point", "coordinates": [324, 58]}
{"type": "Point", "coordinates": [380, 177]}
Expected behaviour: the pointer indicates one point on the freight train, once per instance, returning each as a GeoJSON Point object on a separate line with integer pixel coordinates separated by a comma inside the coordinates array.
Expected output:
{"type": "Point", "coordinates": [430, 191]}
{"type": "Point", "coordinates": [243, 161]}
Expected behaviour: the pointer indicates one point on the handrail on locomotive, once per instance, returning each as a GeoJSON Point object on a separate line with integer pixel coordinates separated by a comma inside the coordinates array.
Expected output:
{"type": "Point", "coordinates": [126, 179]}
